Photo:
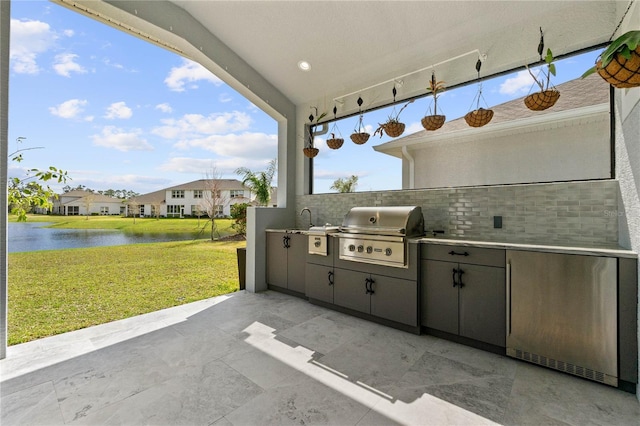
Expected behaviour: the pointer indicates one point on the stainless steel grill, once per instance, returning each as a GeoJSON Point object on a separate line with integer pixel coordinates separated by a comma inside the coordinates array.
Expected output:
{"type": "Point", "coordinates": [378, 235]}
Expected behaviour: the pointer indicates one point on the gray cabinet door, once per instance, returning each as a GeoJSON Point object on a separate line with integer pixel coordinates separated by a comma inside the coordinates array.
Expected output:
{"type": "Point", "coordinates": [482, 304]}
{"type": "Point", "coordinates": [319, 282]}
{"type": "Point", "coordinates": [276, 259]}
{"type": "Point", "coordinates": [296, 262]}
{"type": "Point", "coordinates": [350, 291]}
{"type": "Point", "coordinates": [395, 299]}
{"type": "Point", "coordinates": [439, 297]}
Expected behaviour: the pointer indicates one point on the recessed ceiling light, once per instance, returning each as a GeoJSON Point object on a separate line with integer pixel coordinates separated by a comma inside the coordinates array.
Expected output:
{"type": "Point", "coordinates": [304, 65]}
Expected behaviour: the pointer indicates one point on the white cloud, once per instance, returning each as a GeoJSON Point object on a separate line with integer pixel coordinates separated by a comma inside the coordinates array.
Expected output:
{"type": "Point", "coordinates": [164, 107]}
{"type": "Point", "coordinates": [28, 40]}
{"type": "Point", "coordinates": [197, 125]}
{"type": "Point", "coordinates": [518, 85]}
{"type": "Point", "coordinates": [247, 145]}
{"type": "Point", "coordinates": [68, 33]}
{"type": "Point", "coordinates": [65, 63]}
{"type": "Point", "coordinates": [69, 109]}
{"type": "Point", "coordinates": [118, 110]}
{"type": "Point", "coordinates": [189, 72]}
{"type": "Point", "coordinates": [224, 98]}
{"type": "Point", "coordinates": [225, 167]}
{"type": "Point", "coordinates": [115, 138]}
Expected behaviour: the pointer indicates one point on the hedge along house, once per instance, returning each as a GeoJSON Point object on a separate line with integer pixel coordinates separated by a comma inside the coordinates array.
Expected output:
{"type": "Point", "coordinates": [354, 49]}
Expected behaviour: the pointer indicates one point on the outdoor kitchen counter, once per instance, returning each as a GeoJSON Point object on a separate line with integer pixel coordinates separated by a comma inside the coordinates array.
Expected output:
{"type": "Point", "coordinates": [610, 250]}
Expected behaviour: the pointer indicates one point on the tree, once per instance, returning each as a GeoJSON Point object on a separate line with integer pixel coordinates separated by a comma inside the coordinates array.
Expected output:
{"type": "Point", "coordinates": [259, 182]}
{"type": "Point", "coordinates": [239, 216]}
{"type": "Point", "coordinates": [87, 201]}
{"type": "Point", "coordinates": [212, 199]}
{"type": "Point", "coordinates": [345, 184]}
{"type": "Point", "coordinates": [31, 191]}
{"type": "Point", "coordinates": [133, 208]}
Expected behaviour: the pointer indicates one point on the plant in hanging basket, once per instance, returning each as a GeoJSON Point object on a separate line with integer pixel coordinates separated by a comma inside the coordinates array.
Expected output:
{"type": "Point", "coordinates": [546, 97]}
{"type": "Point", "coordinates": [619, 64]}
{"type": "Point", "coordinates": [333, 142]}
{"type": "Point", "coordinates": [478, 117]}
{"type": "Point", "coordinates": [392, 127]}
{"type": "Point", "coordinates": [435, 120]}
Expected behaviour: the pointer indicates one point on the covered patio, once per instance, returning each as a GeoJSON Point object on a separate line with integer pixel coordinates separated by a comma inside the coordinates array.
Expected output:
{"type": "Point", "coordinates": [262, 357]}
{"type": "Point", "coordinates": [269, 358]}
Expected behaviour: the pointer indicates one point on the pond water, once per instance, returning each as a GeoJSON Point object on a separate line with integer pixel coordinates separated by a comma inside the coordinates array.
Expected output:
{"type": "Point", "coordinates": [26, 236]}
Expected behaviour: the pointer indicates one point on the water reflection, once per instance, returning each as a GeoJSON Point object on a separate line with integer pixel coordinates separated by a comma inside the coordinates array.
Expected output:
{"type": "Point", "coordinates": [34, 236]}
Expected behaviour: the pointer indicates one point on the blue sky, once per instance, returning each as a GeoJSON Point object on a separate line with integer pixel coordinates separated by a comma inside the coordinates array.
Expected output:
{"type": "Point", "coordinates": [118, 112]}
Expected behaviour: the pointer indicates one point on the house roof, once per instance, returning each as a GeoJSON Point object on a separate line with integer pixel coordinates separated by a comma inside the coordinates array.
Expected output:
{"type": "Point", "coordinates": [357, 48]}
{"type": "Point", "coordinates": [202, 184]}
{"type": "Point", "coordinates": [578, 95]}
{"type": "Point", "coordinates": [79, 196]}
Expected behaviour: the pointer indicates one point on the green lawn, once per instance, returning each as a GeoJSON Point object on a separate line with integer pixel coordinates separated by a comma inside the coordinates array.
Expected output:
{"type": "Point", "coordinates": [52, 292]}
{"type": "Point", "coordinates": [141, 225]}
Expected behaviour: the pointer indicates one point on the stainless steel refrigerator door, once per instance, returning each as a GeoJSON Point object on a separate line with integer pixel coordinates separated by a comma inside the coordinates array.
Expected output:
{"type": "Point", "coordinates": [562, 312]}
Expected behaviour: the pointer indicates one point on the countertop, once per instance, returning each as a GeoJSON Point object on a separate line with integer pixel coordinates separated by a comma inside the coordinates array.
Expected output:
{"type": "Point", "coordinates": [610, 250]}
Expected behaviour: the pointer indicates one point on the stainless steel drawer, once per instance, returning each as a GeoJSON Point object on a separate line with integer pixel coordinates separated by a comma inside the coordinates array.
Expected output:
{"type": "Point", "coordinates": [462, 254]}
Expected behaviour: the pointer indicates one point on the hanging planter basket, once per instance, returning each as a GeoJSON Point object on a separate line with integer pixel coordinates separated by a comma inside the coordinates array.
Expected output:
{"type": "Point", "coordinates": [360, 138]}
{"type": "Point", "coordinates": [621, 72]}
{"type": "Point", "coordinates": [359, 135]}
{"type": "Point", "coordinates": [478, 117]}
{"type": "Point", "coordinates": [335, 142]}
{"type": "Point", "coordinates": [393, 128]}
{"type": "Point", "coordinates": [433, 122]}
{"type": "Point", "coordinates": [540, 101]}
{"type": "Point", "coordinates": [310, 151]}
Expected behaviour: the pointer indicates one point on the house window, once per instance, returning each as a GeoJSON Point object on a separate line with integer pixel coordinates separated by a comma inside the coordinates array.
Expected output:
{"type": "Point", "coordinates": [197, 193]}
{"type": "Point", "coordinates": [174, 210]}
{"type": "Point", "coordinates": [104, 211]}
{"type": "Point", "coordinates": [141, 210]}
{"type": "Point", "coordinates": [177, 193]}
{"type": "Point", "coordinates": [197, 210]}
{"type": "Point", "coordinates": [219, 210]}
{"type": "Point", "coordinates": [236, 193]}
{"type": "Point", "coordinates": [73, 211]}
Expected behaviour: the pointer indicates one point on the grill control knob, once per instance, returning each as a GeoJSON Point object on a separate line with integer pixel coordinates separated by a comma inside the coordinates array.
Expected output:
{"type": "Point", "coordinates": [352, 247]}
{"type": "Point", "coordinates": [387, 251]}
{"type": "Point", "coordinates": [317, 243]}
{"type": "Point", "coordinates": [369, 249]}
{"type": "Point", "coordinates": [360, 248]}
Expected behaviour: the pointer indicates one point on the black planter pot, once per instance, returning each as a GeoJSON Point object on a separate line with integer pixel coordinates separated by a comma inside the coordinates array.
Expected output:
{"type": "Point", "coordinates": [242, 266]}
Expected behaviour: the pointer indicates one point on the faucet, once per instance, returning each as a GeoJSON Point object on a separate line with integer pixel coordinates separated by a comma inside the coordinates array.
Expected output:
{"type": "Point", "coordinates": [308, 210]}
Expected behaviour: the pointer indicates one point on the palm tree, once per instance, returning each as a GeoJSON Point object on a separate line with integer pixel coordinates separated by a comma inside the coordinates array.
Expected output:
{"type": "Point", "coordinates": [259, 182]}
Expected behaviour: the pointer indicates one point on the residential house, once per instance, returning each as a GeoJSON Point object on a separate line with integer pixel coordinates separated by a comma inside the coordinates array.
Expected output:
{"type": "Point", "coordinates": [82, 203]}
{"type": "Point", "coordinates": [192, 199]}
{"type": "Point", "coordinates": [567, 142]}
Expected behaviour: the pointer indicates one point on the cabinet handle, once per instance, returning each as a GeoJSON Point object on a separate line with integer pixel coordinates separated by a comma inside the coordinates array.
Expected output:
{"type": "Point", "coordinates": [508, 274]}
{"type": "Point", "coordinates": [371, 283]}
{"type": "Point", "coordinates": [330, 277]}
{"type": "Point", "coordinates": [460, 283]}
{"type": "Point", "coordinates": [454, 253]}
{"type": "Point", "coordinates": [285, 241]}
{"type": "Point", "coordinates": [366, 285]}
{"type": "Point", "coordinates": [453, 275]}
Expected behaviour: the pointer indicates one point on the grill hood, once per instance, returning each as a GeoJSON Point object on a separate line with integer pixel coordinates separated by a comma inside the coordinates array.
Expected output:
{"type": "Point", "coordinates": [404, 221]}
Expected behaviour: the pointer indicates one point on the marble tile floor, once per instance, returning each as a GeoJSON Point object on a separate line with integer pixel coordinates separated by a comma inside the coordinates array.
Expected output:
{"type": "Point", "coordinates": [269, 358]}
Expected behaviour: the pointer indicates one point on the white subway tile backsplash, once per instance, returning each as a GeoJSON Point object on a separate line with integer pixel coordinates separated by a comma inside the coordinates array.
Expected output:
{"type": "Point", "coordinates": [566, 212]}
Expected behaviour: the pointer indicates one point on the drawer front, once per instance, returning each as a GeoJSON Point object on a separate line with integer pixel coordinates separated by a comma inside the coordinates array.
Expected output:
{"type": "Point", "coordinates": [462, 254]}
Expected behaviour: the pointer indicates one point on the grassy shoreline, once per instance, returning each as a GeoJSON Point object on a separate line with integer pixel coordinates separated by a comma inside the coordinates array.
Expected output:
{"type": "Point", "coordinates": [55, 291]}
{"type": "Point", "coordinates": [141, 225]}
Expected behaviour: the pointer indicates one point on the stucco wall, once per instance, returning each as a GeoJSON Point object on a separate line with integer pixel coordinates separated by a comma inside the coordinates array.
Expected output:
{"type": "Point", "coordinates": [572, 152]}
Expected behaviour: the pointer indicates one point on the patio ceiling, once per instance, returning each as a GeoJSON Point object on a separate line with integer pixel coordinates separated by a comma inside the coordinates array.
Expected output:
{"type": "Point", "coordinates": [352, 45]}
